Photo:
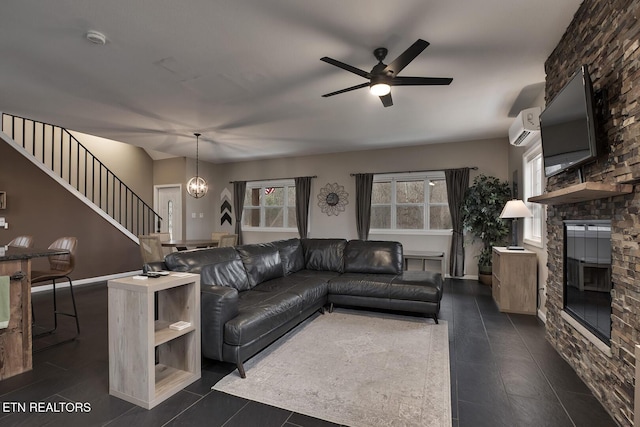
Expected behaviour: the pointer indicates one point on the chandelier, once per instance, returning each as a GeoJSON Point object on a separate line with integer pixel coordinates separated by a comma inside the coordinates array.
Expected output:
{"type": "Point", "coordinates": [197, 187]}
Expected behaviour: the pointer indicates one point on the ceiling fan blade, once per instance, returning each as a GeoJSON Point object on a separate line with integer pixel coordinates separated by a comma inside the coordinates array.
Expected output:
{"type": "Point", "coordinates": [406, 57]}
{"type": "Point", "coordinates": [349, 89]}
{"type": "Point", "coordinates": [346, 67]}
{"type": "Point", "coordinates": [418, 81]}
{"type": "Point", "coordinates": [386, 100]}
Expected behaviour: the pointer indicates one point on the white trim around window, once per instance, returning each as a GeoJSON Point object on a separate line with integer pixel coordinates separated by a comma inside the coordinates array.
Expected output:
{"type": "Point", "coordinates": [286, 184]}
{"type": "Point", "coordinates": [426, 206]}
{"type": "Point", "coordinates": [534, 184]}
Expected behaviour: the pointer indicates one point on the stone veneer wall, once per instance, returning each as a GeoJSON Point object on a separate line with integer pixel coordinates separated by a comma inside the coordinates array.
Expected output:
{"type": "Point", "coordinates": [604, 35]}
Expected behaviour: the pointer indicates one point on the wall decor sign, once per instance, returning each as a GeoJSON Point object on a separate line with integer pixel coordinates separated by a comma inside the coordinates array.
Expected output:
{"type": "Point", "coordinates": [332, 199]}
{"type": "Point", "coordinates": [225, 207]}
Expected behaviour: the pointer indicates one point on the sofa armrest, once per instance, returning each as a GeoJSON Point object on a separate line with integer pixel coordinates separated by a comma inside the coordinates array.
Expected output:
{"type": "Point", "coordinates": [218, 304]}
{"type": "Point", "coordinates": [154, 266]}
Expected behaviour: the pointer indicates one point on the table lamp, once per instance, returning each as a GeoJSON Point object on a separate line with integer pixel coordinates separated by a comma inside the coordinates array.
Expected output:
{"type": "Point", "coordinates": [513, 210]}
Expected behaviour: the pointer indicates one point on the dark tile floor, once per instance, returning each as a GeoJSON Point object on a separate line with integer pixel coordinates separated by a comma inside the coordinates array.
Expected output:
{"type": "Point", "coordinates": [503, 373]}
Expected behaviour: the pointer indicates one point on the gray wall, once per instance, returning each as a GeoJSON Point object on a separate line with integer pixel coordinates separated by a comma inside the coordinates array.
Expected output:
{"type": "Point", "coordinates": [490, 156]}
{"type": "Point", "coordinates": [38, 206]}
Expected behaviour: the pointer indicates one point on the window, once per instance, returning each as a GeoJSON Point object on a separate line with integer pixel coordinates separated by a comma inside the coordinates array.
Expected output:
{"type": "Point", "coordinates": [270, 205]}
{"type": "Point", "coordinates": [533, 186]}
{"type": "Point", "coordinates": [410, 202]}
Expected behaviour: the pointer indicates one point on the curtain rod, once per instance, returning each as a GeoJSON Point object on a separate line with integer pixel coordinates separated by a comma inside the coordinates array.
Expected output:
{"type": "Point", "coordinates": [475, 168]}
{"type": "Point", "coordinates": [274, 179]}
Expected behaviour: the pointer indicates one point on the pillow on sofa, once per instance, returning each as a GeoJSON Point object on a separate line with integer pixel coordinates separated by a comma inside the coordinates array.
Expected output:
{"type": "Point", "coordinates": [261, 261]}
{"type": "Point", "coordinates": [291, 255]}
{"type": "Point", "coordinates": [324, 254]}
{"type": "Point", "coordinates": [378, 257]}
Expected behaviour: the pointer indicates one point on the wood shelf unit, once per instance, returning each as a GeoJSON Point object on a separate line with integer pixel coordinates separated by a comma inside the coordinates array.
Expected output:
{"type": "Point", "coordinates": [582, 192]}
{"type": "Point", "coordinates": [139, 336]}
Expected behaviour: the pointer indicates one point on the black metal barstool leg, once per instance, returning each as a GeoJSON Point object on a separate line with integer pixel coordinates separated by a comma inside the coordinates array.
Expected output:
{"type": "Point", "coordinates": [55, 308]}
{"type": "Point", "coordinates": [75, 310]}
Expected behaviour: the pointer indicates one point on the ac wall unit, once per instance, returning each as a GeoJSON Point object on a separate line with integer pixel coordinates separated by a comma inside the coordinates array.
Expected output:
{"type": "Point", "coordinates": [526, 127]}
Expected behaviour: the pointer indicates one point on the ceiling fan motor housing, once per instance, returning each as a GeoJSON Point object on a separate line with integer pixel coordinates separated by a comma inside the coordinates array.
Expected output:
{"type": "Point", "coordinates": [380, 53]}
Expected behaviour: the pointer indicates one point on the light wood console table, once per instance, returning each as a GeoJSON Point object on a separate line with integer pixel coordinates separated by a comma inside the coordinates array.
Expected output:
{"type": "Point", "coordinates": [136, 339]}
{"type": "Point", "coordinates": [514, 282]}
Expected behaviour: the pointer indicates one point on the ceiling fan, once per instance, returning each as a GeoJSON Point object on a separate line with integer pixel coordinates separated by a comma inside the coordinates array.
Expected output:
{"type": "Point", "coordinates": [383, 76]}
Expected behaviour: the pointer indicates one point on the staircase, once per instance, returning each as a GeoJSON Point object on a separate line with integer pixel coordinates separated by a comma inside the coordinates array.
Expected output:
{"type": "Point", "coordinates": [64, 158]}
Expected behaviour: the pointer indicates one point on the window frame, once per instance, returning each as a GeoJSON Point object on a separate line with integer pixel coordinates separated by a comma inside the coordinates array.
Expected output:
{"type": "Point", "coordinates": [539, 213]}
{"type": "Point", "coordinates": [410, 176]}
{"type": "Point", "coordinates": [262, 185]}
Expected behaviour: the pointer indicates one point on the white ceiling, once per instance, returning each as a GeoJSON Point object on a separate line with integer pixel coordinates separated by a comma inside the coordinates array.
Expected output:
{"type": "Point", "coordinates": [247, 73]}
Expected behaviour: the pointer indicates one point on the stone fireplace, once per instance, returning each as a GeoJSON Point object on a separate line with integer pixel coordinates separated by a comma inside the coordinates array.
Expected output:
{"type": "Point", "coordinates": [605, 35]}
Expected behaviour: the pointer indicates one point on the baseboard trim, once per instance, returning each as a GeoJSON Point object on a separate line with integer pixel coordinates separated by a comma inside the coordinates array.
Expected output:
{"type": "Point", "coordinates": [81, 282]}
{"type": "Point", "coordinates": [542, 316]}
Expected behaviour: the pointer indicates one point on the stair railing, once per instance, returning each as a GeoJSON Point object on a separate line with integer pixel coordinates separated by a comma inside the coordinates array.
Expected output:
{"type": "Point", "coordinates": [57, 149]}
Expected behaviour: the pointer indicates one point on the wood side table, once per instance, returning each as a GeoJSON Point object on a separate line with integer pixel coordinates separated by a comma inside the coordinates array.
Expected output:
{"type": "Point", "coordinates": [514, 282]}
{"type": "Point", "coordinates": [136, 339]}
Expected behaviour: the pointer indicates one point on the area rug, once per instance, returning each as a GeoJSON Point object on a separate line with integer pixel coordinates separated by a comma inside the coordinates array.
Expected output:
{"type": "Point", "coordinates": [355, 368]}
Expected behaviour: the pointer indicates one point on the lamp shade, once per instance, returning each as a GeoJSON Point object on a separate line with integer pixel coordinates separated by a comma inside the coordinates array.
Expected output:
{"type": "Point", "coordinates": [515, 209]}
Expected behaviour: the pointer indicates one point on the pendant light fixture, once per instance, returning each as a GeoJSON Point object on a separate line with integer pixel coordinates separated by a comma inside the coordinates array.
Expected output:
{"type": "Point", "coordinates": [197, 186]}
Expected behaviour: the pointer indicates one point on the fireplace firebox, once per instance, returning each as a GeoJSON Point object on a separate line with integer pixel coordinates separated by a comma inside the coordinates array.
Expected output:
{"type": "Point", "coordinates": [587, 274]}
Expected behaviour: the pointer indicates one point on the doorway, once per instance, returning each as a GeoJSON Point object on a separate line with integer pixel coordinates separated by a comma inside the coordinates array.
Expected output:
{"type": "Point", "coordinates": [167, 202]}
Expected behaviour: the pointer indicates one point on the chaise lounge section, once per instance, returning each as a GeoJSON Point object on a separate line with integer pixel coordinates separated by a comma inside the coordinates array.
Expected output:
{"type": "Point", "coordinates": [251, 295]}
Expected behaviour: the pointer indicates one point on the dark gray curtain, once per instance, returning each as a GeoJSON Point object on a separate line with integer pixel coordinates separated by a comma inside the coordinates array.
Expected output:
{"type": "Point", "coordinates": [239, 189]}
{"type": "Point", "coordinates": [457, 184]}
{"type": "Point", "coordinates": [364, 186]}
{"type": "Point", "coordinates": [303, 193]}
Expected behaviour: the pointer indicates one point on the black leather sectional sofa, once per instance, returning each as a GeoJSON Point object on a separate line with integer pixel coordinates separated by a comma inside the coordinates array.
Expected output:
{"type": "Point", "coordinates": [253, 294]}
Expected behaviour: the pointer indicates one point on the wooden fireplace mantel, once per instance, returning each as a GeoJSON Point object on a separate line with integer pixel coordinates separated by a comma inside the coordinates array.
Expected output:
{"type": "Point", "coordinates": [582, 192]}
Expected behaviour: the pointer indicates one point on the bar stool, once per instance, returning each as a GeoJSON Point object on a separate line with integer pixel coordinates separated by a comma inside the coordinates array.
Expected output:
{"type": "Point", "coordinates": [150, 248]}
{"type": "Point", "coordinates": [22, 242]}
{"type": "Point", "coordinates": [228, 240]}
{"type": "Point", "coordinates": [60, 266]}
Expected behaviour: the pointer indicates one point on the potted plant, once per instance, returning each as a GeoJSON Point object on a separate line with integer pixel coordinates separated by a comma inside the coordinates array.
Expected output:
{"type": "Point", "coordinates": [481, 209]}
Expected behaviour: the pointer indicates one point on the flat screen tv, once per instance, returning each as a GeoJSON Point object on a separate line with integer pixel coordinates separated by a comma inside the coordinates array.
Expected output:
{"type": "Point", "coordinates": [567, 126]}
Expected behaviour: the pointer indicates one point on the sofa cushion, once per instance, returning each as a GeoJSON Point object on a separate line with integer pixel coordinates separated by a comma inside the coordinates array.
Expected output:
{"type": "Point", "coordinates": [324, 254]}
{"type": "Point", "coordinates": [291, 254]}
{"type": "Point", "coordinates": [228, 270]}
{"type": "Point", "coordinates": [193, 260]}
{"type": "Point", "coordinates": [417, 286]}
{"type": "Point", "coordinates": [260, 313]}
{"type": "Point", "coordinates": [365, 285]}
{"type": "Point", "coordinates": [377, 257]}
{"type": "Point", "coordinates": [311, 289]}
{"type": "Point", "coordinates": [261, 261]}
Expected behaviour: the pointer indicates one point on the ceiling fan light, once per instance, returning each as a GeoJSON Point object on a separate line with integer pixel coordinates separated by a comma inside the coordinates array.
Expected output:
{"type": "Point", "coordinates": [380, 89]}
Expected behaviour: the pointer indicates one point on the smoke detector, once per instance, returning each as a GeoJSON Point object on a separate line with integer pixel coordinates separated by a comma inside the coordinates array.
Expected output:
{"type": "Point", "coordinates": [96, 37]}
